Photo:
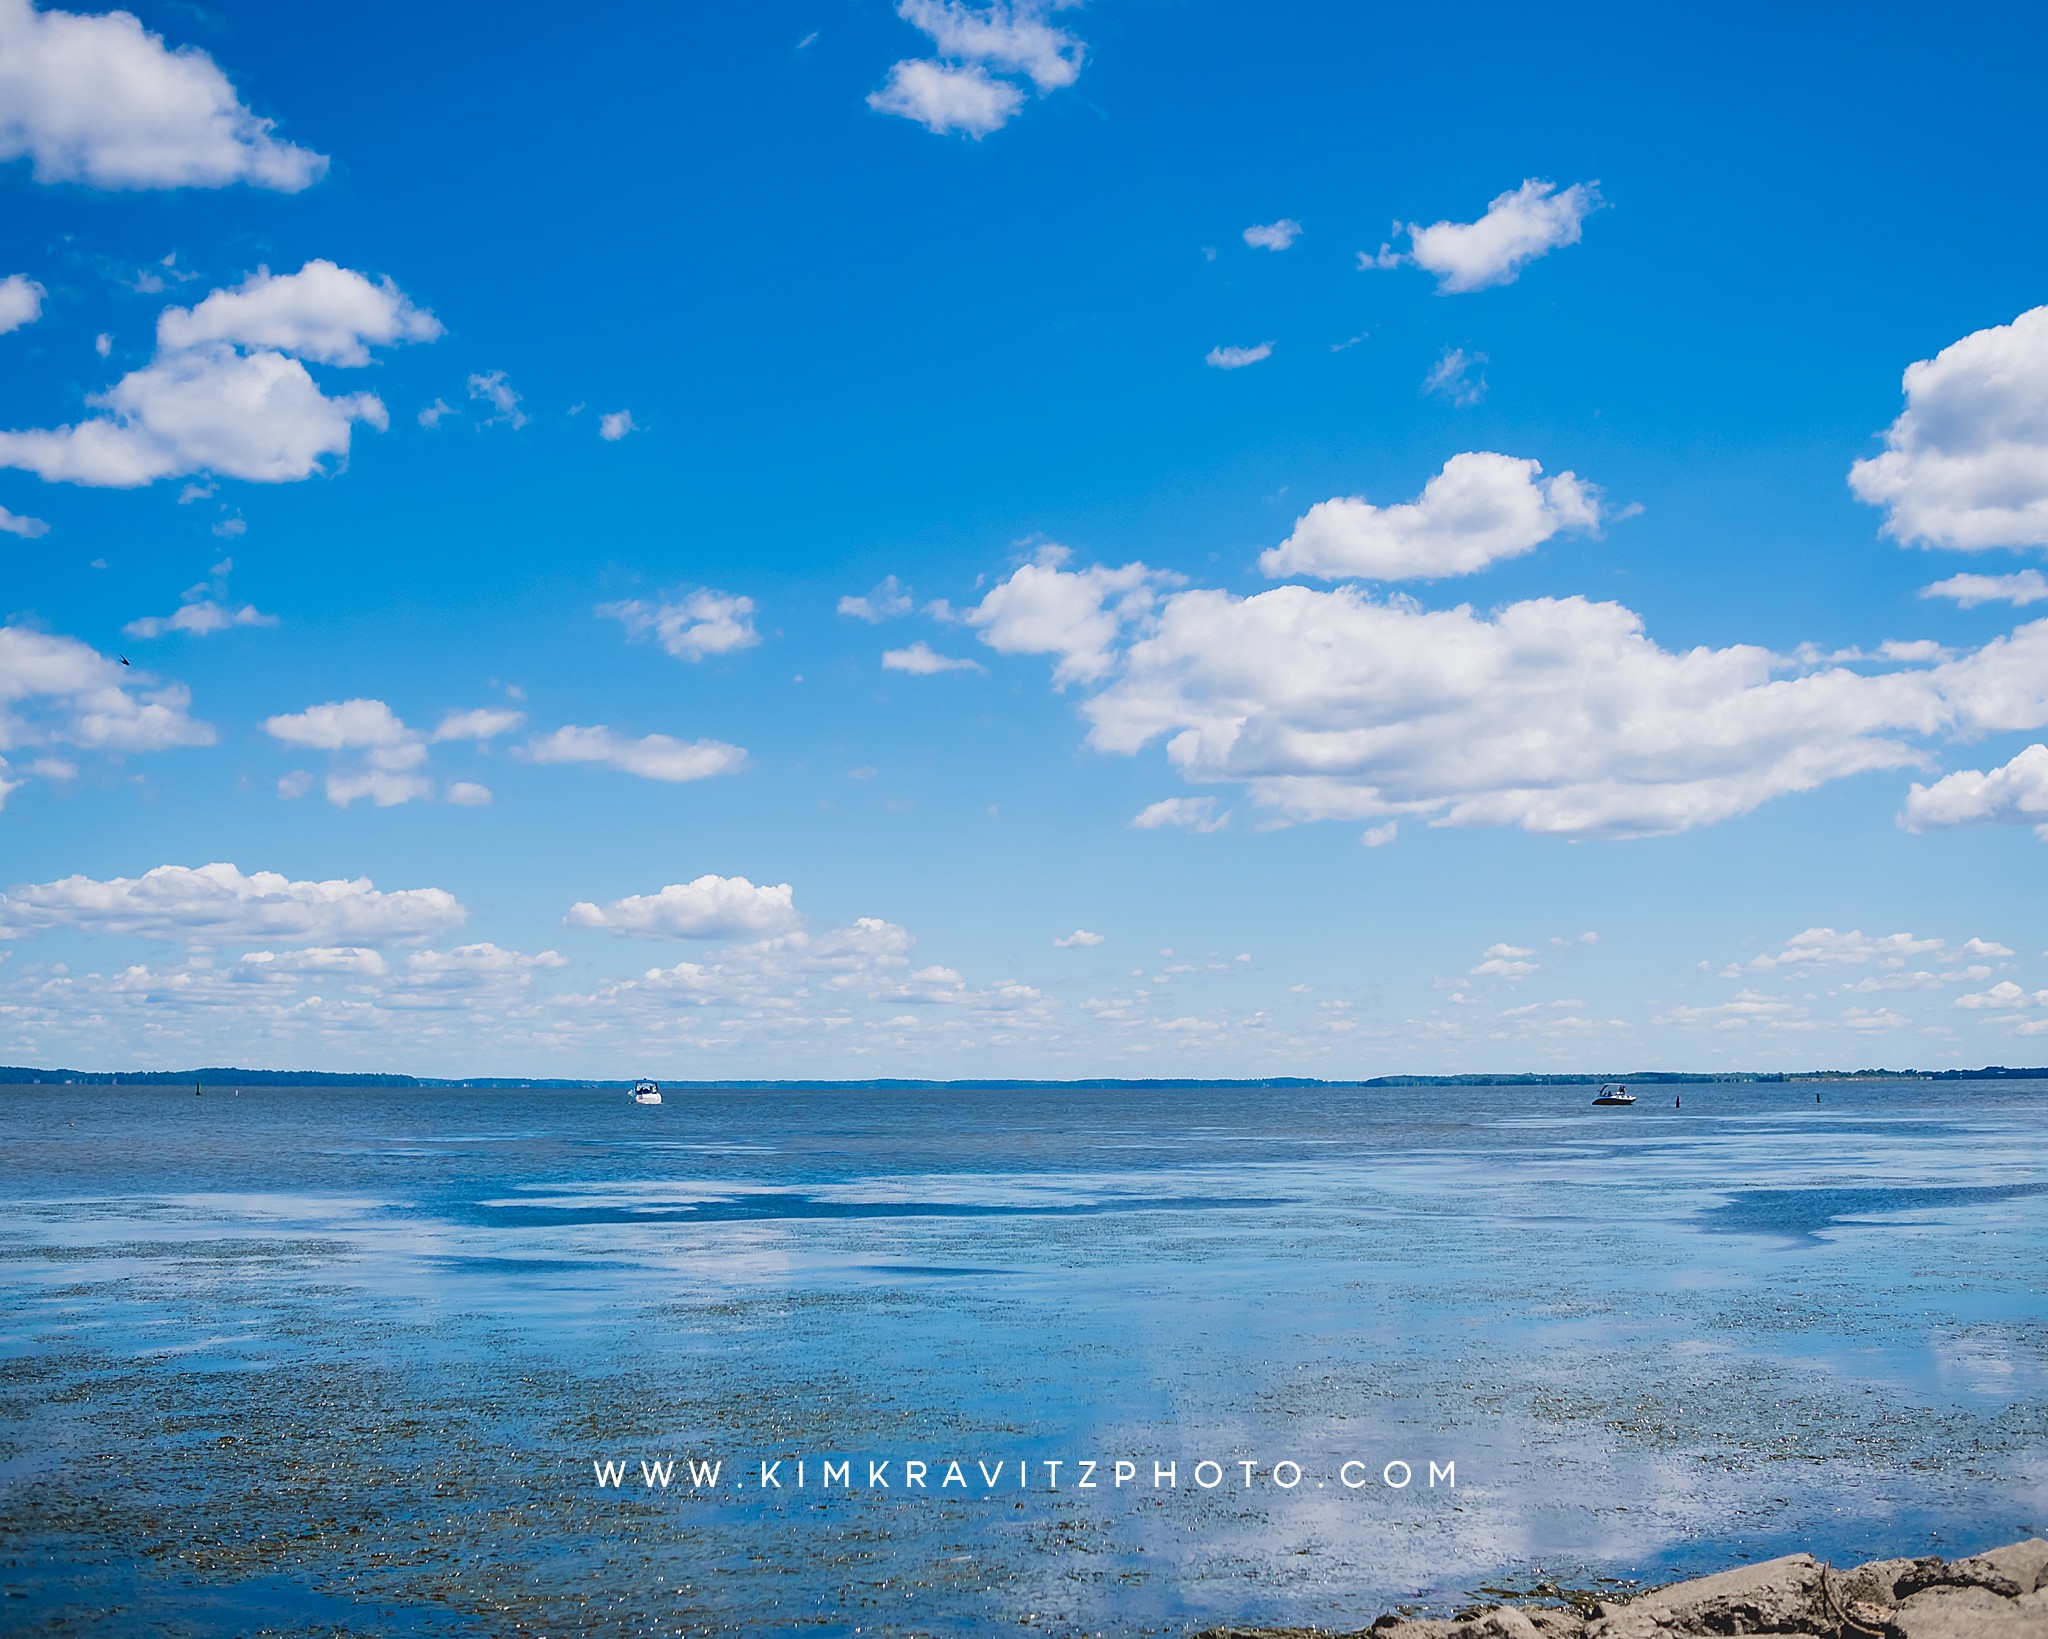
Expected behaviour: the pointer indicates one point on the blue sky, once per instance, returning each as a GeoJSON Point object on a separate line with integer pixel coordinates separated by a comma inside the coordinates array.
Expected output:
{"type": "Point", "coordinates": [954, 539]}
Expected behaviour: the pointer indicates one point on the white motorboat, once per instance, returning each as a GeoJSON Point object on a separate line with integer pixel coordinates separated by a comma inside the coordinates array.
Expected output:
{"type": "Point", "coordinates": [1614, 1093]}
{"type": "Point", "coordinates": [646, 1092]}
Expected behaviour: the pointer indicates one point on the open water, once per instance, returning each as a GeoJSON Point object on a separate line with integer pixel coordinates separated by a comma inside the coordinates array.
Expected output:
{"type": "Point", "coordinates": [322, 1361]}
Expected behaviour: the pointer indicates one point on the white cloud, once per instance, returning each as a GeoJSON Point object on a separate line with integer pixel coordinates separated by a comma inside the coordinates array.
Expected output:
{"type": "Point", "coordinates": [1519, 226]}
{"type": "Point", "coordinates": [2028, 586]}
{"type": "Point", "coordinates": [347, 724]}
{"type": "Point", "coordinates": [1966, 462]}
{"type": "Point", "coordinates": [216, 903]}
{"type": "Point", "coordinates": [1454, 378]}
{"type": "Point", "coordinates": [613, 425]}
{"type": "Point", "coordinates": [387, 788]}
{"type": "Point", "coordinates": [2015, 793]}
{"type": "Point", "coordinates": [921, 660]}
{"type": "Point", "coordinates": [203, 610]}
{"type": "Point", "coordinates": [256, 416]}
{"type": "Point", "coordinates": [1273, 235]}
{"type": "Point", "coordinates": [97, 99]}
{"type": "Point", "coordinates": [383, 758]}
{"type": "Point", "coordinates": [13, 523]}
{"type": "Point", "coordinates": [2003, 997]}
{"type": "Point", "coordinates": [435, 413]}
{"type": "Point", "coordinates": [1503, 961]}
{"type": "Point", "coordinates": [1378, 836]}
{"type": "Point", "coordinates": [21, 302]}
{"type": "Point", "coordinates": [59, 691]}
{"type": "Point", "coordinates": [1821, 948]}
{"type": "Point", "coordinates": [698, 624]}
{"type": "Point", "coordinates": [203, 405]}
{"type": "Point", "coordinates": [955, 91]}
{"type": "Point", "coordinates": [468, 794]}
{"type": "Point", "coordinates": [888, 600]}
{"type": "Point", "coordinates": [1076, 614]}
{"type": "Point", "coordinates": [1079, 939]}
{"type": "Point", "coordinates": [653, 756]}
{"type": "Point", "coordinates": [1181, 814]}
{"type": "Point", "coordinates": [480, 724]}
{"type": "Point", "coordinates": [1479, 509]}
{"type": "Point", "coordinates": [1013, 37]}
{"type": "Point", "coordinates": [944, 97]}
{"type": "Point", "coordinates": [492, 387]}
{"type": "Point", "coordinates": [326, 313]}
{"type": "Point", "coordinates": [1236, 358]}
{"type": "Point", "coordinates": [711, 907]}
{"type": "Point", "coordinates": [1558, 715]}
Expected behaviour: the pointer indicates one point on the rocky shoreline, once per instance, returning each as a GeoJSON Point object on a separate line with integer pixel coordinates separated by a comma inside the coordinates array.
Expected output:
{"type": "Point", "coordinates": [1999, 1594]}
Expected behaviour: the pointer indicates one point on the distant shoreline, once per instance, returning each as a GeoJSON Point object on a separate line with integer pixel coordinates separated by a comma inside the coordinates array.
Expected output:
{"type": "Point", "coordinates": [231, 1076]}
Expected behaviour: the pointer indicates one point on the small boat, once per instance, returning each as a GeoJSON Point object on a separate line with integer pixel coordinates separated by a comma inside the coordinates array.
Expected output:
{"type": "Point", "coordinates": [1614, 1093]}
{"type": "Point", "coordinates": [646, 1092]}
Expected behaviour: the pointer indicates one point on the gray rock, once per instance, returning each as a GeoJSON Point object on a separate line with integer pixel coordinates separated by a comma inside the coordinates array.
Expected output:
{"type": "Point", "coordinates": [1932, 1572]}
{"type": "Point", "coordinates": [1968, 1613]}
{"type": "Point", "coordinates": [1875, 1583]}
{"type": "Point", "coordinates": [2025, 1563]}
{"type": "Point", "coordinates": [1778, 1596]}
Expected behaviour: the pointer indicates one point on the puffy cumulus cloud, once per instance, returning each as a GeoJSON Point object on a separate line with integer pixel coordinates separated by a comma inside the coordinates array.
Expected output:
{"type": "Point", "coordinates": [226, 392]}
{"type": "Point", "coordinates": [21, 302]}
{"type": "Point", "coordinates": [1519, 226]}
{"type": "Point", "coordinates": [204, 610]}
{"type": "Point", "coordinates": [13, 523]}
{"type": "Point", "coordinates": [199, 617]}
{"type": "Point", "coordinates": [955, 91]}
{"type": "Point", "coordinates": [1079, 939]}
{"type": "Point", "coordinates": [2003, 997]}
{"type": "Point", "coordinates": [948, 97]}
{"type": "Point", "coordinates": [1236, 358]}
{"type": "Point", "coordinates": [257, 416]}
{"type": "Point", "coordinates": [1821, 948]}
{"type": "Point", "coordinates": [218, 903]}
{"type": "Point", "coordinates": [1273, 235]}
{"type": "Point", "coordinates": [1504, 961]}
{"type": "Point", "coordinates": [1966, 463]}
{"type": "Point", "coordinates": [652, 756]}
{"type": "Point", "coordinates": [1967, 591]}
{"type": "Point", "coordinates": [922, 660]}
{"type": "Point", "coordinates": [1078, 615]}
{"type": "Point", "coordinates": [698, 624]}
{"type": "Point", "coordinates": [1013, 37]}
{"type": "Point", "coordinates": [378, 756]}
{"type": "Point", "coordinates": [100, 100]}
{"type": "Point", "coordinates": [343, 725]}
{"type": "Point", "coordinates": [613, 425]}
{"type": "Point", "coordinates": [1558, 715]}
{"type": "Point", "coordinates": [2014, 793]}
{"type": "Point", "coordinates": [711, 907]}
{"type": "Point", "coordinates": [58, 691]}
{"type": "Point", "coordinates": [1479, 509]}
{"type": "Point", "coordinates": [326, 313]}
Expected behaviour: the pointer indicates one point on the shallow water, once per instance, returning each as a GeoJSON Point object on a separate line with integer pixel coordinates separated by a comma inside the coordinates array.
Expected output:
{"type": "Point", "coordinates": [322, 1360]}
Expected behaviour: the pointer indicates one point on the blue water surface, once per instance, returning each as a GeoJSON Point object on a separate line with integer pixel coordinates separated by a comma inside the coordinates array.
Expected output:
{"type": "Point", "coordinates": [339, 1361]}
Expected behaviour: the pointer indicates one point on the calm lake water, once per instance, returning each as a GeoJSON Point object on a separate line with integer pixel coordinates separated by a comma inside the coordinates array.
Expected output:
{"type": "Point", "coordinates": [334, 1361]}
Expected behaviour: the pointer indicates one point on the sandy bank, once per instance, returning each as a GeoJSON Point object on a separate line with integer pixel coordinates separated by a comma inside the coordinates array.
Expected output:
{"type": "Point", "coordinates": [1999, 1594]}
